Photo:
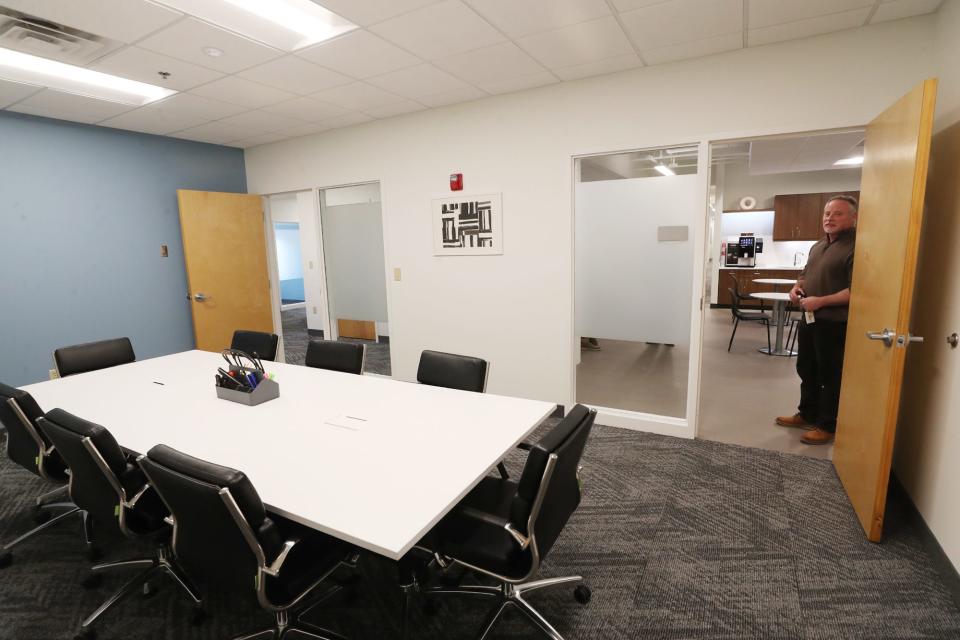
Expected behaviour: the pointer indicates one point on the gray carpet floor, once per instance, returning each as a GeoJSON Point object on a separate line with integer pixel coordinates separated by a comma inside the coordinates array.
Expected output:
{"type": "Point", "coordinates": [296, 339]}
{"type": "Point", "coordinates": [678, 539]}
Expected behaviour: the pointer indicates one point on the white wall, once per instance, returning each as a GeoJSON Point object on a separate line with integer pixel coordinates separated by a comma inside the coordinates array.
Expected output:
{"type": "Point", "coordinates": [738, 182]}
{"type": "Point", "coordinates": [302, 208]}
{"type": "Point", "coordinates": [353, 247]}
{"type": "Point", "coordinates": [289, 264]}
{"type": "Point", "coordinates": [516, 310]}
{"type": "Point", "coordinates": [630, 285]}
{"type": "Point", "coordinates": [928, 441]}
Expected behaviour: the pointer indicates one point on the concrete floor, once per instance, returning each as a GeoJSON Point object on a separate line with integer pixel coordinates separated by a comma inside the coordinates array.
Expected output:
{"type": "Point", "coordinates": [741, 391]}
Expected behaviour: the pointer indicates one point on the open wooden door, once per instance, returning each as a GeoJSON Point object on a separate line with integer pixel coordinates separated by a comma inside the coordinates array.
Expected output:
{"type": "Point", "coordinates": [225, 252]}
{"type": "Point", "coordinates": [895, 162]}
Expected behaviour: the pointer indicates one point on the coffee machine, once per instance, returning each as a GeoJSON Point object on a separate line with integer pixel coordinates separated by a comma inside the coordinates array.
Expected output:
{"type": "Point", "coordinates": [743, 251]}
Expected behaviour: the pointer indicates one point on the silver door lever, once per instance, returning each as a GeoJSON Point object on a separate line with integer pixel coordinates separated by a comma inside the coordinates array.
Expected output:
{"type": "Point", "coordinates": [200, 297]}
{"type": "Point", "coordinates": [887, 336]}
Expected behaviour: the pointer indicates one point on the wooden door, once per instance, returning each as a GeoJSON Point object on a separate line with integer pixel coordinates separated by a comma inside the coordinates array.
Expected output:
{"type": "Point", "coordinates": [896, 155]}
{"type": "Point", "coordinates": [810, 217]}
{"type": "Point", "coordinates": [785, 217]}
{"type": "Point", "coordinates": [225, 251]}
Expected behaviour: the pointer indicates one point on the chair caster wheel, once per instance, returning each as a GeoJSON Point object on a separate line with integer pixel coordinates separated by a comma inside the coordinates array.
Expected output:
{"type": "Point", "coordinates": [6, 559]}
{"type": "Point", "coordinates": [86, 634]}
{"type": "Point", "coordinates": [94, 553]}
{"type": "Point", "coordinates": [92, 581]}
{"type": "Point", "coordinates": [198, 616]}
{"type": "Point", "coordinates": [582, 594]}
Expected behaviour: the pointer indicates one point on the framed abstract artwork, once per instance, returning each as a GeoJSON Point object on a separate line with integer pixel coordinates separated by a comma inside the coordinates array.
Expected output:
{"type": "Point", "coordinates": [468, 225]}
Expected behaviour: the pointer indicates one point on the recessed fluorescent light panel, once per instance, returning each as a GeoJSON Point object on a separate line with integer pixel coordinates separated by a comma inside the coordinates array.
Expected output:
{"type": "Point", "coordinates": [664, 170]}
{"type": "Point", "coordinates": [285, 24]}
{"type": "Point", "coordinates": [34, 70]}
{"type": "Point", "coordinates": [855, 161]}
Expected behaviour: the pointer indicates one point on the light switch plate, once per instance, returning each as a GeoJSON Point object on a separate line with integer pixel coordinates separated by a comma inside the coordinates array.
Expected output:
{"type": "Point", "coordinates": [396, 274]}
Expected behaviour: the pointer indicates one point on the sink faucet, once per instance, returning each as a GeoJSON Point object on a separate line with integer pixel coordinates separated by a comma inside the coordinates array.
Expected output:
{"type": "Point", "coordinates": [798, 257]}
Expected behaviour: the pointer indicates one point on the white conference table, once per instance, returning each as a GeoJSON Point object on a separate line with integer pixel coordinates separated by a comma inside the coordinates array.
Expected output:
{"type": "Point", "coordinates": [369, 460]}
{"type": "Point", "coordinates": [780, 301]}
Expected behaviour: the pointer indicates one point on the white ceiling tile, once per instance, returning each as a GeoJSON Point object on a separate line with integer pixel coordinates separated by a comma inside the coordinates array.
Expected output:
{"type": "Point", "coordinates": [68, 106]}
{"type": "Point", "coordinates": [370, 11]}
{"type": "Point", "coordinates": [186, 40]}
{"type": "Point", "coordinates": [578, 44]}
{"type": "Point", "coordinates": [682, 21]}
{"type": "Point", "coordinates": [421, 80]}
{"type": "Point", "coordinates": [696, 49]}
{"type": "Point", "coordinates": [452, 97]}
{"type": "Point", "coordinates": [264, 138]}
{"type": "Point", "coordinates": [897, 9]}
{"type": "Point", "coordinates": [489, 64]}
{"type": "Point", "coordinates": [358, 96]}
{"type": "Point", "coordinates": [177, 112]}
{"type": "Point", "coordinates": [439, 30]}
{"type": "Point", "coordinates": [360, 54]}
{"type": "Point", "coordinates": [306, 109]}
{"type": "Point", "coordinates": [764, 13]}
{"type": "Point", "coordinates": [520, 83]}
{"type": "Point", "coordinates": [257, 122]}
{"type": "Point", "coordinates": [629, 5]}
{"type": "Point", "coordinates": [304, 129]}
{"type": "Point", "coordinates": [139, 64]}
{"type": "Point", "coordinates": [123, 20]}
{"type": "Point", "coordinates": [10, 92]}
{"type": "Point", "coordinates": [347, 120]}
{"type": "Point", "coordinates": [295, 75]}
{"type": "Point", "coordinates": [600, 67]}
{"type": "Point", "coordinates": [518, 18]}
{"type": "Point", "coordinates": [808, 27]}
{"type": "Point", "coordinates": [186, 104]}
{"type": "Point", "coordinates": [408, 106]}
{"type": "Point", "coordinates": [240, 91]}
{"type": "Point", "coordinates": [213, 132]}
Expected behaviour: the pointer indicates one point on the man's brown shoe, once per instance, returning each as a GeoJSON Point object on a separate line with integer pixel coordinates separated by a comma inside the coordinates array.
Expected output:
{"type": "Point", "coordinates": [796, 420]}
{"type": "Point", "coordinates": [817, 436]}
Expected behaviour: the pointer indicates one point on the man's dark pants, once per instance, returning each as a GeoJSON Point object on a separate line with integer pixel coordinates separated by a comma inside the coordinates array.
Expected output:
{"type": "Point", "coordinates": [820, 365]}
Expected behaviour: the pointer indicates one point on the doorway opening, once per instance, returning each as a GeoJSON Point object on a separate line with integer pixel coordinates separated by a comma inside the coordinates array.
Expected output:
{"type": "Point", "coordinates": [635, 215]}
{"type": "Point", "coordinates": [764, 214]}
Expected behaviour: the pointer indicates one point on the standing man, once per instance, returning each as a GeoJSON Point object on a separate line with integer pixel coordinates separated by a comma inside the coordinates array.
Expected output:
{"type": "Point", "coordinates": [823, 293]}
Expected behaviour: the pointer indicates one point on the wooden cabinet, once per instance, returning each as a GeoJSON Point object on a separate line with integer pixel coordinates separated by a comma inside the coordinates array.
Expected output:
{"type": "Point", "coordinates": [798, 216]}
{"type": "Point", "coordinates": [745, 278]}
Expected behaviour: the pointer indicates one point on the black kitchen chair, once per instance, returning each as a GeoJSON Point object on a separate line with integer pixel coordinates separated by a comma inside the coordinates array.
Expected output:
{"type": "Point", "coordinates": [505, 529]}
{"type": "Point", "coordinates": [737, 294]}
{"type": "Point", "coordinates": [29, 448]}
{"type": "Point", "coordinates": [93, 356]}
{"type": "Point", "coordinates": [747, 315]}
{"type": "Point", "coordinates": [346, 357]}
{"type": "Point", "coordinates": [224, 537]}
{"type": "Point", "coordinates": [256, 343]}
{"type": "Point", "coordinates": [114, 492]}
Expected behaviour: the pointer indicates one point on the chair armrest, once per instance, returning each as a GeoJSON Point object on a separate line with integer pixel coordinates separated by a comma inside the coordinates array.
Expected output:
{"type": "Point", "coordinates": [274, 569]}
{"type": "Point", "coordinates": [495, 521]}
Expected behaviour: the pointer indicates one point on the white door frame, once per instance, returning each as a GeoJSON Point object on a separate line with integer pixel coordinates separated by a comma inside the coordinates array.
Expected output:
{"type": "Point", "coordinates": [666, 425]}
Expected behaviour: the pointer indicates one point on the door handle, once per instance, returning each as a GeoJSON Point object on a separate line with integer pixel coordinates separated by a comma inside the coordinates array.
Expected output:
{"type": "Point", "coordinates": [887, 336]}
{"type": "Point", "coordinates": [905, 339]}
{"type": "Point", "coordinates": [200, 297]}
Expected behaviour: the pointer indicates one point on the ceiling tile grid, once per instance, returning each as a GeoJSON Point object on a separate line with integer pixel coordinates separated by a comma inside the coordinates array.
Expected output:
{"type": "Point", "coordinates": [404, 56]}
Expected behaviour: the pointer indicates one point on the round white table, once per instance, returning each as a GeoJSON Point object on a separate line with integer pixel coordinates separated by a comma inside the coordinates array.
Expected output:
{"type": "Point", "coordinates": [779, 301]}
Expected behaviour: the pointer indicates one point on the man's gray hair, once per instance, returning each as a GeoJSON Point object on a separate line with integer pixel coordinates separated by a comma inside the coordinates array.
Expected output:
{"type": "Point", "coordinates": [848, 199]}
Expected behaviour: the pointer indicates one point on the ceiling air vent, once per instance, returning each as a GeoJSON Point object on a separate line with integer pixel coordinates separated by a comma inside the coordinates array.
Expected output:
{"type": "Point", "coordinates": [28, 34]}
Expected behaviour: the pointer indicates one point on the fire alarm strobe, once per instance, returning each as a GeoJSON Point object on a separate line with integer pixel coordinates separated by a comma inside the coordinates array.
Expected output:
{"type": "Point", "coordinates": [456, 182]}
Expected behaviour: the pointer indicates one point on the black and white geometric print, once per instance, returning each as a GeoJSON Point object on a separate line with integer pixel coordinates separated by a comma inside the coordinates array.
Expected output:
{"type": "Point", "coordinates": [467, 225]}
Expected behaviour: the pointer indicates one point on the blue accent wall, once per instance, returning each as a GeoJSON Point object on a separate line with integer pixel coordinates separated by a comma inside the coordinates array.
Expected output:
{"type": "Point", "coordinates": [83, 212]}
{"type": "Point", "coordinates": [292, 290]}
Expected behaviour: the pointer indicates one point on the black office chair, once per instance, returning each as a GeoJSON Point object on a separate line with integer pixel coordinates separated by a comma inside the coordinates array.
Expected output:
{"type": "Point", "coordinates": [92, 356]}
{"type": "Point", "coordinates": [223, 537]}
{"type": "Point", "coordinates": [347, 357]}
{"type": "Point", "coordinates": [737, 294]}
{"type": "Point", "coordinates": [452, 371]}
{"type": "Point", "coordinates": [29, 448]}
{"type": "Point", "coordinates": [747, 315]}
{"type": "Point", "coordinates": [505, 529]}
{"type": "Point", "coordinates": [114, 491]}
{"type": "Point", "coordinates": [263, 345]}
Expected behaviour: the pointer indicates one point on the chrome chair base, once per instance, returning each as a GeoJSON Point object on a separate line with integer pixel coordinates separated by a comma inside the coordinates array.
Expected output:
{"type": "Point", "coordinates": [284, 629]}
{"type": "Point", "coordinates": [509, 595]}
{"type": "Point", "coordinates": [153, 566]}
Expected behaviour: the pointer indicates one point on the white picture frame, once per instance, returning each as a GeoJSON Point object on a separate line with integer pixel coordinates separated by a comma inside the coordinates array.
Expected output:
{"type": "Point", "coordinates": [468, 225]}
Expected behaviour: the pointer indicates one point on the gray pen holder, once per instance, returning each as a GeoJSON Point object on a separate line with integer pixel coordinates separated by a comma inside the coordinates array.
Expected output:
{"type": "Point", "coordinates": [266, 390]}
